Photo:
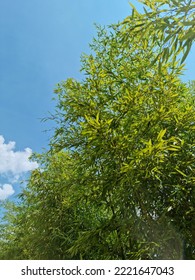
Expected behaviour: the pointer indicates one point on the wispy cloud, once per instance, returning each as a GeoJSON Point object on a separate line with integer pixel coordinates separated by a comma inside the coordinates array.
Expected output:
{"type": "Point", "coordinates": [13, 164]}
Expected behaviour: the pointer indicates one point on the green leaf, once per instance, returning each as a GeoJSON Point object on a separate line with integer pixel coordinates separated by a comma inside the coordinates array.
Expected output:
{"type": "Point", "coordinates": [161, 134]}
{"type": "Point", "coordinates": [186, 52]}
{"type": "Point", "coordinates": [179, 171]}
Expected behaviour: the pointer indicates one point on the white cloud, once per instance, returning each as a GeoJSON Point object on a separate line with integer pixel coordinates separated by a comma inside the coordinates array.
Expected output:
{"type": "Point", "coordinates": [5, 191]}
{"type": "Point", "coordinates": [15, 162]}
{"type": "Point", "coordinates": [13, 165]}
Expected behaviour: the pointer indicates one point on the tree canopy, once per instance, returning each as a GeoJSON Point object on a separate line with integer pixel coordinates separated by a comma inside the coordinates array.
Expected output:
{"type": "Point", "coordinates": [171, 20]}
{"type": "Point", "coordinates": [118, 181]}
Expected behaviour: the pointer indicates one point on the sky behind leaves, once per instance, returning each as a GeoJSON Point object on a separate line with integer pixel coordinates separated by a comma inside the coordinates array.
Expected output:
{"type": "Point", "coordinates": [41, 42]}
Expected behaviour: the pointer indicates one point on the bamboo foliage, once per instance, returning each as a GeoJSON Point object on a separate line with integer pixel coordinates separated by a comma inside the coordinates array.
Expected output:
{"type": "Point", "coordinates": [118, 180]}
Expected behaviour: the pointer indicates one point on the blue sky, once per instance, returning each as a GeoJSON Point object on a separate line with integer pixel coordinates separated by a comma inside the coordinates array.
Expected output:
{"type": "Point", "coordinates": [40, 45]}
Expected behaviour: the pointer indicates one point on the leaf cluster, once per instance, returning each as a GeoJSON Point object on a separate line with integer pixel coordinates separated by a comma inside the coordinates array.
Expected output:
{"type": "Point", "coordinates": [118, 181]}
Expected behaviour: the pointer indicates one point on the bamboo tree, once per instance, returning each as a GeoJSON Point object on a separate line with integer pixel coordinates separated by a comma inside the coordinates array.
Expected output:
{"type": "Point", "coordinates": [118, 181]}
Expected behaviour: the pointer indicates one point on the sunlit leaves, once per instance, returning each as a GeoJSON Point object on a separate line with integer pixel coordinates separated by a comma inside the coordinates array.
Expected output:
{"type": "Point", "coordinates": [118, 180]}
{"type": "Point", "coordinates": [174, 20]}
